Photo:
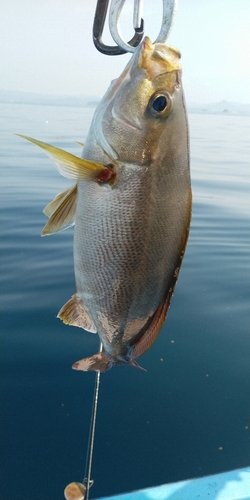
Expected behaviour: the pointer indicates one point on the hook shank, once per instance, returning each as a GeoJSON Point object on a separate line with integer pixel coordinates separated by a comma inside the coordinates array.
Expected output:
{"type": "Point", "coordinates": [169, 7]}
{"type": "Point", "coordinates": [114, 26]}
{"type": "Point", "coordinates": [99, 21]}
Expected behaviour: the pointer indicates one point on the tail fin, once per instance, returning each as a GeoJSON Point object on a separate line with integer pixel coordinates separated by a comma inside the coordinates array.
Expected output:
{"type": "Point", "coordinates": [135, 364]}
{"type": "Point", "coordinates": [97, 363]}
{"type": "Point", "coordinates": [100, 362]}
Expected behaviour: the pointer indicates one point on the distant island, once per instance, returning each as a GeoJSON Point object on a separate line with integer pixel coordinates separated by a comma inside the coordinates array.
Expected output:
{"type": "Point", "coordinates": [18, 97]}
{"type": "Point", "coordinates": [221, 108]}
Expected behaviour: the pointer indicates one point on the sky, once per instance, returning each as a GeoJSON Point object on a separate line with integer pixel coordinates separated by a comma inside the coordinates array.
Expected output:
{"type": "Point", "coordinates": [47, 48]}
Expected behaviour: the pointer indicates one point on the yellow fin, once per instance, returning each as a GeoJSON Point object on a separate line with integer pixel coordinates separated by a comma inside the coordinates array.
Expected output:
{"type": "Point", "coordinates": [73, 313]}
{"type": "Point", "coordinates": [80, 143]}
{"type": "Point", "coordinates": [63, 215]}
{"type": "Point", "coordinates": [51, 207]}
{"type": "Point", "coordinates": [69, 165]}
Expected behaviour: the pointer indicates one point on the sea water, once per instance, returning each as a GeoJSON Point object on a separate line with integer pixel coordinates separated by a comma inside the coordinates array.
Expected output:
{"type": "Point", "coordinates": [188, 415]}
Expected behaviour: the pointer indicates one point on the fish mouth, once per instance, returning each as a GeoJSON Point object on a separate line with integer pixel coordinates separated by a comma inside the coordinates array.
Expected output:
{"type": "Point", "coordinates": [125, 121]}
{"type": "Point", "coordinates": [158, 58]}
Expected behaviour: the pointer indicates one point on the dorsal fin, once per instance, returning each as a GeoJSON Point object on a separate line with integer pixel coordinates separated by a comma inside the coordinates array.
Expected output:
{"type": "Point", "coordinates": [61, 211]}
{"type": "Point", "coordinates": [149, 337]}
{"type": "Point", "coordinates": [73, 313]}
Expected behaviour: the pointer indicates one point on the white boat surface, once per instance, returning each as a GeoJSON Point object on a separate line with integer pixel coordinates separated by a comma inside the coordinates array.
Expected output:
{"type": "Point", "coordinates": [232, 485]}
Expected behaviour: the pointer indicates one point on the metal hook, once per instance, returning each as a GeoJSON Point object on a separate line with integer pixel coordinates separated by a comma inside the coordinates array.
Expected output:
{"type": "Point", "coordinates": [99, 21]}
{"type": "Point", "coordinates": [169, 7]}
{"type": "Point", "coordinates": [114, 27]}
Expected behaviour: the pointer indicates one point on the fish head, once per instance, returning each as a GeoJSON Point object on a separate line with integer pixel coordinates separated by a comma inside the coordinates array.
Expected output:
{"type": "Point", "coordinates": [136, 109]}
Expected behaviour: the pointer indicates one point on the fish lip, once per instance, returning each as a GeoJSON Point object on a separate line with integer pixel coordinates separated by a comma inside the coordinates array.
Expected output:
{"type": "Point", "coordinates": [124, 120]}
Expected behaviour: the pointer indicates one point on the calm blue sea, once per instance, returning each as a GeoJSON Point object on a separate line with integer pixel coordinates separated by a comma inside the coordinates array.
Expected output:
{"type": "Point", "coordinates": [188, 415]}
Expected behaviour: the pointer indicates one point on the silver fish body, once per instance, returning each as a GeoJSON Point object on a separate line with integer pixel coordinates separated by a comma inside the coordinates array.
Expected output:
{"type": "Point", "coordinates": [130, 239]}
{"type": "Point", "coordinates": [131, 227]}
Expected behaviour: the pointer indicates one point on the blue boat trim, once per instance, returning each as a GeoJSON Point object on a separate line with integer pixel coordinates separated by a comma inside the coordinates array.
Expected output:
{"type": "Point", "coordinates": [232, 485]}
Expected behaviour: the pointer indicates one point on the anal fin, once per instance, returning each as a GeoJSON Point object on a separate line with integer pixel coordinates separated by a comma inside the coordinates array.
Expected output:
{"type": "Point", "coordinates": [73, 313]}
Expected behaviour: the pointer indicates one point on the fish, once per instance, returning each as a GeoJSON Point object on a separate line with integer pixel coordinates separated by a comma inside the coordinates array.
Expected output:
{"type": "Point", "coordinates": [131, 206]}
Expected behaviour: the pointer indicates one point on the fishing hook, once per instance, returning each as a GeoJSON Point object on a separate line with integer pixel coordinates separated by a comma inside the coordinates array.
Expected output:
{"type": "Point", "coordinates": [169, 7]}
{"type": "Point", "coordinates": [99, 21]}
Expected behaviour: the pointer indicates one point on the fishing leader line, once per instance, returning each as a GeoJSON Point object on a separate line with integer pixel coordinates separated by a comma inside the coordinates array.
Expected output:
{"type": "Point", "coordinates": [89, 457]}
{"type": "Point", "coordinates": [80, 491]}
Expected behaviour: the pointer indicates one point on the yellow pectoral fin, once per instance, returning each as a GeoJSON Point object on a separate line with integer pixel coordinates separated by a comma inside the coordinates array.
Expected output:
{"type": "Point", "coordinates": [69, 165]}
{"type": "Point", "coordinates": [61, 212]}
{"type": "Point", "coordinates": [80, 143]}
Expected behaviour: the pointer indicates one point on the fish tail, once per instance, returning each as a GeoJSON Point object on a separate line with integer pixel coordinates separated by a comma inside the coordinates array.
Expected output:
{"type": "Point", "coordinates": [100, 362]}
{"type": "Point", "coordinates": [136, 365]}
{"type": "Point", "coordinates": [97, 363]}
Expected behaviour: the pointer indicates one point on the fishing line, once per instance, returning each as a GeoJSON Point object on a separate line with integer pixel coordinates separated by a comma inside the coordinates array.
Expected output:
{"type": "Point", "coordinates": [80, 491]}
{"type": "Point", "coordinates": [89, 457]}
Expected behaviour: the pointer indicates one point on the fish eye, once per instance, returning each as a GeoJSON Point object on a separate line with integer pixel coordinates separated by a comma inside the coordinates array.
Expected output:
{"type": "Point", "coordinates": [160, 104]}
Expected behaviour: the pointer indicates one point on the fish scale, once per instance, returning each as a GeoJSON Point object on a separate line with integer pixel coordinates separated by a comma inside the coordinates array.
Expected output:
{"type": "Point", "coordinates": [133, 260]}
